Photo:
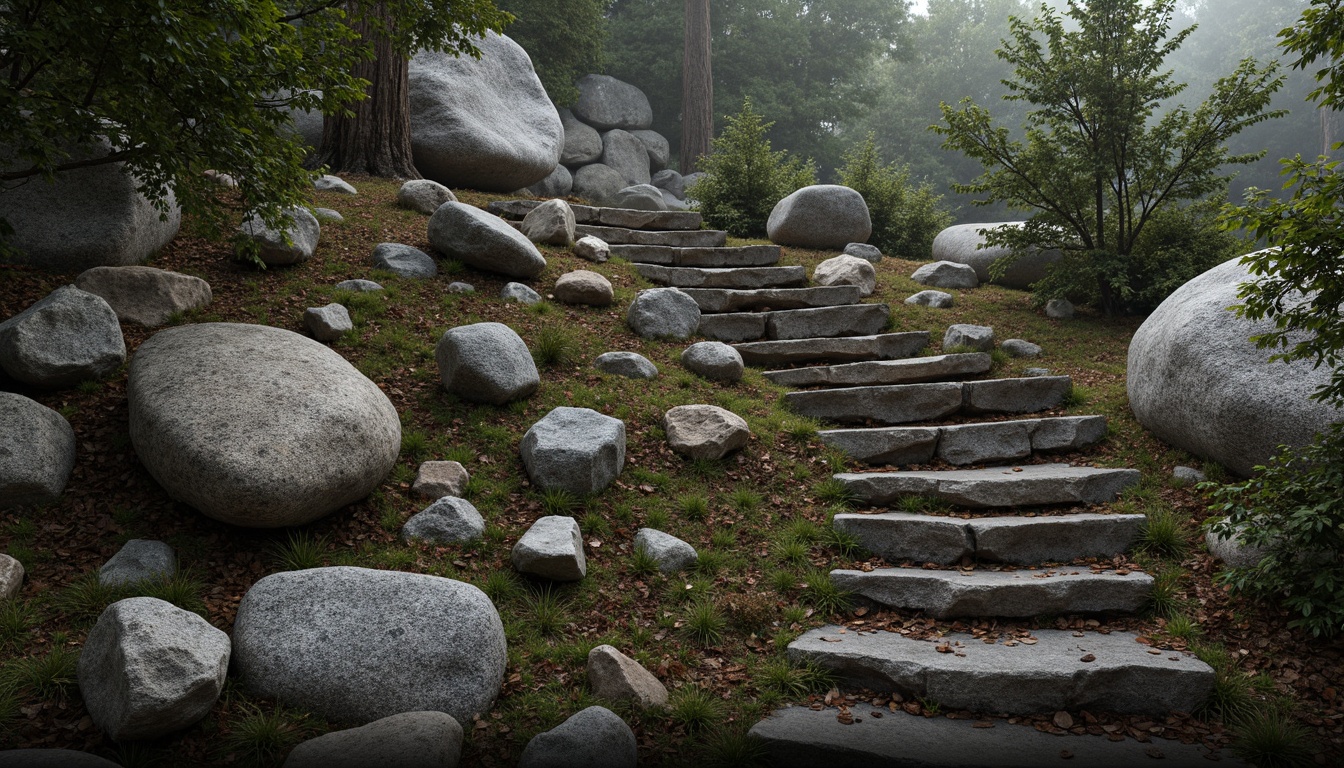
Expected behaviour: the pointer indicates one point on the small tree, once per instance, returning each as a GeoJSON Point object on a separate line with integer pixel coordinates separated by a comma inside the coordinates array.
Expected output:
{"type": "Point", "coordinates": [1098, 162]}
{"type": "Point", "coordinates": [905, 217]}
{"type": "Point", "coordinates": [744, 179]}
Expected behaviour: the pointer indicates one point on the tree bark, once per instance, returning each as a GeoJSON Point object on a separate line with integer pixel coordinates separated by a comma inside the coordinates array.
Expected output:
{"type": "Point", "coordinates": [697, 86]}
{"type": "Point", "coordinates": [377, 139]}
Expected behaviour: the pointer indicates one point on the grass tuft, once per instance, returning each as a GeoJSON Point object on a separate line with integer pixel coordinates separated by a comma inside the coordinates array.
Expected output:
{"type": "Point", "coordinates": [300, 551]}
{"type": "Point", "coordinates": [1164, 534]}
{"type": "Point", "coordinates": [705, 622]}
{"type": "Point", "coordinates": [693, 507]}
{"type": "Point", "coordinates": [554, 346]}
{"type": "Point", "coordinates": [257, 738]}
{"type": "Point", "coordinates": [695, 709]}
{"type": "Point", "coordinates": [1271, 738]}
{"type": "Point", "coordinates": [823, 594]}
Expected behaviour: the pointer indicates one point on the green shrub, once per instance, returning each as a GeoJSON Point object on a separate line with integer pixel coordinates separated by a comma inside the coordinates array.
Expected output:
{"type": "Point", "coordinates": [906, 217]}
{"type": "Point", "coordinates": [1294, 507]}
{"type": "Point", "coordinates": [744, 179]}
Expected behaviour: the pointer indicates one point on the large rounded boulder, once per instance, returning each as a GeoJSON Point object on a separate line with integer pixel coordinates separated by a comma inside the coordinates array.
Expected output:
{"type": "Point", "coordinates": [484, 241]}
{"type": "Point", "coordinates": [822, 216]}
{"type": "Point", "coordinates": [482, 123]}
{"type": "Point", "coordinates": [1197, 381]}
{"type": "Point", "coordinates": [961, 244]}
{"type": "Point", "coordinates": [258, 426]}
{"type": "Point", "coordinates": [606, 103]}
{"type": "Point", "coordinates": [356, 645]}
{"type": "Point", "coordinates": [37, 452]}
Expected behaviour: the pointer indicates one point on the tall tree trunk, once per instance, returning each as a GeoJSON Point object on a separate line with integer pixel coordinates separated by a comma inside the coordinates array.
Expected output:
{"type": "Point", "coordinates": [377, 139]}
{"type": "Point", "coordinates": [697, 86]}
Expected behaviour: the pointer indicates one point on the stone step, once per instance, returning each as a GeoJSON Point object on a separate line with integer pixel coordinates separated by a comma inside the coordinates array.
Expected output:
{"type": "Point", "coordinates": [719, 300]}
{"type": "Point", "coordinates": [801, 737]}
{"type": "Point", "coordinates": [686, 238]}
{"type": "Point", "coordinates": [982, 443]}
{"type": "Point", "coordinates": [744, 278]}
{"type": "Point", "coordinates": [624, 218]}
{"type": "Point", "coordinates": [668, 256]}
{"type": "Point", "coordinates": [944, 540]}
{"type": "Point", "coordinates": [883, 372]}
{"type": "Point", "coordinates": [823, 322]}
{"type": "Point", "coordinates": [906, 403]}
{"type": "Point", "coordinates": [996, 487]}
{"type": "Point", "coordinates": [886, 346]}
{"type": "Point", "coordinates": [1007, 594]}
{"type": "Point", "coordinates": [1098, 672]}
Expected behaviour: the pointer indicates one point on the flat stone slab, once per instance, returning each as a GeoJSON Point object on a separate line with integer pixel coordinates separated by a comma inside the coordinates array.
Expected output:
{"type": "Point", "coordinates": [905, 403]}
{"type": "Point", "coordinates": [668, 256]}
{"type": "Point", "coordinates": [1010, 594]}
{"type": "Point", "coordinates": [913, 370]}
{"type": "Point", "coordinates": [744, 278]}
{"type": "Point", "coordinates": [1031, 485]}
{"type": "Point", "coordinates": [686, 238]}
{"type": "Point", "coordinates": [966, 443]}
{"type": "Point", "coordinates": [885, 346]}
{"type": "Point", "coordinates": [1103, 673]}
{"type": "Point", "coordinates": [800, 737]}
{"type": "Point", "coordinates": [736, 300]}
{"type": "Point", "coordinates": [819, 323]}
{"type": "Point", "coordinates": [624, 218]}
{"type": "Point", "coordinates": [1015, 540]}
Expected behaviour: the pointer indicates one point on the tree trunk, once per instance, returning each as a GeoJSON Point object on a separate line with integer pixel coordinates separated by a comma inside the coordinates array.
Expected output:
{"type": "Point", "coordinates": [697, 86]}
{"type": "Point", "coordinates": [377, 139]}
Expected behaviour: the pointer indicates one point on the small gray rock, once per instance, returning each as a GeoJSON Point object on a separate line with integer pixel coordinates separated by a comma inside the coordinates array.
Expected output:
{"type": "Point", "coordinates": [584, 287]}
{"type": "Point", "coordinates": [605, 103]}
{"type": "Point", "coordinates": [704, 431]}
{"type": "Point", "coordinates": [63, 339]}
{"type": "Point", "coordinates": [329, 322]}
{"type": "Point", "coordinates": [1233, 550]}
{"type": "Point", "coordinates": [145, 295]}
{"type": "Point", "coordinates": [328, 214]}
{"type": "Point", "coordinates": [356, 645]}
{"type": "Point", "coordinates": [656, 145]}
{"type": "Point", "coordinates": [424, 196]}
{"type": "Point", "coordinates": [847, 270]}
{"type": "Point", "coordinates": [592, 248]}
{"type": "Point", "coordinates": [486, 363]}
{"type": "Point", "coordinates": [672, 553]}
{"type": "Point", "coordinates": [664, 313]}
{"type": "Point", "coordinates": [329, 183]}
{"type": "Point", "coordinates": [575, 449]}
{"type": "Point", "coordinates": [436, 479]}
{"type": "Point", "coordinates": [864, 251]}
{"type": "Point", "coordinates": [448, 520]}
{"type": "Point", "coordinates": [149, 668]}
{"type": "Point", "coordinates": [358, 286]}
{"type": "Point", "coordinates": [558, 184]}
{"type": "Point", "coordinates": [670, 181]}
{"type": "Point", "coordinates": [294, 244]}
{"type": "Point", "coordinates": [978, 337]}
{"type": "Point", "coordinates": [713, 360]}
{"type": "Point", "coordinates": [641, 197]}
{"type": "Point", "coordinates": [552, 223]}
{"type": "Point", "coordinates": [552, 549]}
{"type": "Point", "coordinates": [484, 241]}
{"type": "Point", "coordinates": [935, 299]}
{"type": "Point", "coordinates": [11, 577]}
{"type": "Point", "coordinates": [1036, 372]}
{"type": "Point", "coordinates": [407, 740]}
{"type": "Point", "coordinates": [598, 184]}
{"type": "Point", "coordinates": [593, 738]}
{"type": "Point", "coordinates": [946, 274]}
{"type": "Point", "coordinates": [519, 293]}
{"type": "Point", "coordinates": [139, 560]}
{"type": "Point", "coordinates": [460, 287]}
{"type": "Point", "coordinates": [631, 365]}
{"type": "Point", "coordinates": [404, 261]}
{"type": "Point", "coordinates": [616, 677]}
{"type": "Point", "coordinates": [821, 217]}
{"type": "Point", "coordinates": [1188, 476]}
{"type": "Point", "coordinates": [1020, 348]}
{"type": "Point", "coordinates": [37, 452]}
{"type": "Point", "coordinates": [1059, 309]}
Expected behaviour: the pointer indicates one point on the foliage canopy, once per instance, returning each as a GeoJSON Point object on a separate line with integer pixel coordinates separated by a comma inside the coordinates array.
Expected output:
{"type": "Point", "coordinates": [565, 39]}
{"type": "Point", "coordinates": [906, 217]}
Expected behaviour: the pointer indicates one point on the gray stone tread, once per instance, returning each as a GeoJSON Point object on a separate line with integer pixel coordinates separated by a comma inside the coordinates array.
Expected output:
{"type": "Point", "coordinates": [670, 256]}
{"type": "Point", "coordinates": [1030, 485]}
{"type": "Point", "coordinates": [974, 443]}
{"type": "Point", "coordinates": [886, 346]}
{"type": "Point", "coordinates": [698, 238]}
{"type": "Point", "coordinates": [821, 322]}
{"type": "Point", "coordinates": [1008, 594]}
{"type": "Point", "coordinates": [800, 737]}
{"type": "Point", "coordinates": [913, 370]}
{"type": "Point", "coordinates": [739, 300]}
{"type": "Point", "coordinates": [609, 217]}
{"type": "Point", "coordinates": [945, 539]}
{"type": "Point", "coordinates": [908, 403]}
{"type": "Point", "coordinates": [1101, 672]}
{"type": "Point", "coordinates": [724, 277]}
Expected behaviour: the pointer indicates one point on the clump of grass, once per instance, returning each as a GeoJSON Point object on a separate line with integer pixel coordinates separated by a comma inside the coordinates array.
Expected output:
{"type": "Point", "coordinates": [724, 539]}
{"type": "Point", "coordinates": [559, 501]}
{"type": "Point", "coordinates": [1183, 627]}
{"type": "Point", "coordinates": [823, 594]}
{"type": "Point", "coordinates": [593, 524]}
{"type": "Point", "coordinates": [257, 738]}
{"type": "Point", "coordinates": [182, 589]}
{"type": "Point", "coordinates": [695, 709]}
{"type": "Point", "coordinates": [17, 617]}
{"type": "Point", "coordinates": [706, 468]}
{"type": "Point", "coordinates": [1232, 698]}
{"type": "Point", "coordinates": [501, 585]}
{"type": "Point", "coordinates": [656, 518]}
{"type": "Point", "coordinates": [549, 615]}
{"type": "Point", "coordinates": [919, 505]}
{"type": "Point", "coordinates": [790, 551]}
{"type": "Point", "coordinates": [86, 597]}
{"type": "Point", "coordinates": [643, 563]}
{"type": "Point", "coordinates": [801, 429]}
{"type": "Point", "coordinates": [745, 500]}
{"type": "Point", "coordinates": [1164, 533]}
{"type": "Point", "coordinates": [710, 562]}
{"type": "Point", "coordinates": [693, 507]}
{"type": "Point", "coordinates": [730, 748]}
{"type": "Point", "coordinates": [554, 345]}
{"type": "Point", "coordinates": [300, 551]}
{"type": "Point", "coordinates": [705, 622]}
{"type": "Point", "coordinates": [1271, 738]}
{"type": "Point", "coordinates": [1165, 598]}
{"type": "Point", "coordinates": [844, 542]}
{"type": "Point", "coordinates": [49, 676]}
{"type": "Point", "coordinates": [794, 682]}
{"type": "Point", "coordinates": [1076, 396]}
{"type": "Point", "coordinates": [836, 493]}
{"type": "Point", "coordinates": [783, 582]}
{"type": "Point", "coordinates": [802, 530]}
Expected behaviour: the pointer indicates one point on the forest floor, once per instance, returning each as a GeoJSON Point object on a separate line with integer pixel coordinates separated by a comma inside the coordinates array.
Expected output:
{"type": "Point", "coordinates": [760, 520]}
